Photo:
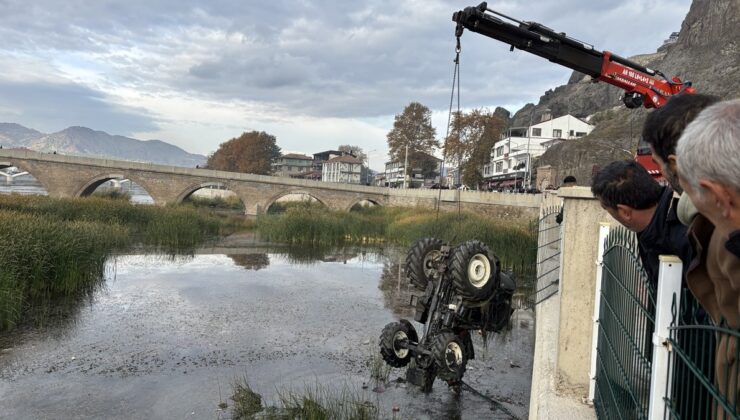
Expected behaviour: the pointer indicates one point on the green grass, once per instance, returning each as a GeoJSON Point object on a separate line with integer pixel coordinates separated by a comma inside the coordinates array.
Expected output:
{"type": "Point", "coordinates": [513, 241]}
{"type": "Point", "coordinates": [55, 249]}
{"type": "Point", "coordinates": [222, 203]}
{"type": "Point", "coordinates": [112, 194]}
{"type": "Point", "coordinates": [316, 402]}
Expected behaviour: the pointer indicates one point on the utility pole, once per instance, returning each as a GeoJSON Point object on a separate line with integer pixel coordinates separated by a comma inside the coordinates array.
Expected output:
{"type": "Point", "coordinates": [367, 157]}
{"type": "Point", "coordinates": [406, 167]}
{"type": "Point", "coordinates": [529, 139]}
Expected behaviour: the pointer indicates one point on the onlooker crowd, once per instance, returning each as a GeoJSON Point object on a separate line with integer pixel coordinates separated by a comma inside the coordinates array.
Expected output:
{"type": "Point", "coordinates": [695, 140]}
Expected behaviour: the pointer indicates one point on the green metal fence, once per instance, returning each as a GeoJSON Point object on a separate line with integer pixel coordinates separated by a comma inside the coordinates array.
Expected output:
{"type": "Point", "coordinates": [687, 370]}
{"type": "Point", "coordinates": [703, 384]}
{"type": "Point", "coordinates": [625, 325]}
{"type": "Point", "coordinates": [545, 280]}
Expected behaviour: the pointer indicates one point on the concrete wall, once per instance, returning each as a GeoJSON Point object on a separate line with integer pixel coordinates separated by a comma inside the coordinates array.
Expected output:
{"type": "Point", "coordinates": [582, 215]}
{"type": "Point", "coordinates": [560, 372]}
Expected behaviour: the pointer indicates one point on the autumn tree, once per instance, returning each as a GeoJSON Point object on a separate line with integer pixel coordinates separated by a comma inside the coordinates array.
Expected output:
{"type": "Point", "coordinates": [412, 128]}
{"type": "Point", "coordinates": [252, 153]}
{"type": "Point", "coordinates": [355, 151]}
{"type": "Point", "coordinates": [470, 140]}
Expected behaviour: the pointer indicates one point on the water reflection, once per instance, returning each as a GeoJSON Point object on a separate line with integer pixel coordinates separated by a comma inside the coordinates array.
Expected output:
{"type": "Point", "coordinates": [255, 262]}
{"type": "Point", "coordinates": [397, 290]}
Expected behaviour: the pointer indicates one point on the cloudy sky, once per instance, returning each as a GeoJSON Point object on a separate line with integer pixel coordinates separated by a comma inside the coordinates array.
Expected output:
{"type": "Point", "coordinates": [315, 74]}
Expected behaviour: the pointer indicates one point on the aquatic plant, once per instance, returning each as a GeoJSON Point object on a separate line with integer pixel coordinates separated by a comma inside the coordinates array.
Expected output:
{"type": "Point", "coordinates": [513, 241]}
{"type": "Point", "coordinates": [55, 249]}
{"type": "Point", "coordinates": [315, 402]}
{"type": "Point", "coordinates": [225, 203]}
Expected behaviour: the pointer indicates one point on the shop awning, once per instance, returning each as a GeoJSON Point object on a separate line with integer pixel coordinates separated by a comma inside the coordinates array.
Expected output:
{"type": "Point", "coordinates": [510, 183]}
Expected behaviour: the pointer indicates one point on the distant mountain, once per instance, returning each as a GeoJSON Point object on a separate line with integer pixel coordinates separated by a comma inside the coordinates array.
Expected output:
{"type": "Point", "coordinates": [16, 135]}
{"type": "Point", "coordinates": [85, 141]}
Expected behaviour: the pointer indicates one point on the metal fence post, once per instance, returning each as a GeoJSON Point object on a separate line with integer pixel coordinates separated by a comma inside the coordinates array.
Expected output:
{"type": "Point", "coordinates": [669, 288]}
{"type": "Point", "coordinates": [603, 233]}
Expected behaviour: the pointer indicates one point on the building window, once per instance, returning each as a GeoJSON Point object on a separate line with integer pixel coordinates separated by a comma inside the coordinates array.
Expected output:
{"type": "Point", "coordinates": [499, 151]}
{"type": "Point", "coordinates": [558, 134]}
{"type": "Point", "coordinates": [580, 133]}
{"type": "Point", "coordinates": [536, 132]}
{"type": "Point", "coordinates": [571, 133]}
{"type": "Point", "coordinates": [499, 166]}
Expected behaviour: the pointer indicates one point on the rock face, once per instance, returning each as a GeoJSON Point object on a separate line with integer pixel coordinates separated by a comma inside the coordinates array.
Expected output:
{"type": "Point", "coordinates": [707, 53]}
{"type": "Point", "coordinates": [84, 141]}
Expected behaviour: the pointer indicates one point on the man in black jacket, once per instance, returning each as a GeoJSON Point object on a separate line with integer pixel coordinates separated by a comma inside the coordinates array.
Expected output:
{"type": "Point", "coordinates": [630, 195]}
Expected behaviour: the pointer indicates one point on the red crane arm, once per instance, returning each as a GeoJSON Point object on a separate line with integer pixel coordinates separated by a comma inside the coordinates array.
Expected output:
{"type": "Point", "coordinates": [643, 86]}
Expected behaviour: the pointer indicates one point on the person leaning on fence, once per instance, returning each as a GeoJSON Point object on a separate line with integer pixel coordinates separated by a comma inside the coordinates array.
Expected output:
{"type": "Point", "coordinates": [664, 126]}
{"type": "Point", "coordinates": [633, 198]}
{"type": "Point", "coordinates": [708, 156]}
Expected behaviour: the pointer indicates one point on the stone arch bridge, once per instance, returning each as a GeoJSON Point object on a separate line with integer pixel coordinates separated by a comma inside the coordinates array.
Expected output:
{"type": "Point", "coordinates": [77, 176]}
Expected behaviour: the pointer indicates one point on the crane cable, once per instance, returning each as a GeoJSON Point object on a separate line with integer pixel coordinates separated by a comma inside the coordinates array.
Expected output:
{"type": "Point", "coordinates": [455, 79]}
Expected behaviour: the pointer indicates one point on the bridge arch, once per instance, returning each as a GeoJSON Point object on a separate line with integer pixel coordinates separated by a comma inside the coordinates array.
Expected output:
{"type": "Point", "coordinates": [360, 201]}
{"type": "Point", "coordinates": [187, 192]}
{"type": "Point", "coordinates": [224, 198]}
{"type": "Point", "coordinates": [92, 184]}
{"type": "Point", "coordinates": [28, 169]}
{"type": "Point", "coordinates": [270, 202]}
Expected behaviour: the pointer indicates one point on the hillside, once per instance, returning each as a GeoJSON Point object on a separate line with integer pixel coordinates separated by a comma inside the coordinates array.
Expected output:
{"type": "Point", "coordinates": [16, 135]}
{"type": "Point", "coordinates": [85, 141]}
{"type": "Point", "coordinates": [706, 53]}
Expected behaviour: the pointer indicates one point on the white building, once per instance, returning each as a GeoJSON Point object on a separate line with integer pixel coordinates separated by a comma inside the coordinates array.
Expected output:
{"type": "Point", "coordinates": [511, 157]}
{"type": "Point", "coordinates": [345, 169]}
{"type": "Point", "coordinates": [394, 172]}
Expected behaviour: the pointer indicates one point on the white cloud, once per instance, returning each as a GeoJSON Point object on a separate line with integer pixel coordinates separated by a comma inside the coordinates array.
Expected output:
{"type": "Point", "coordinates": [314, 73]}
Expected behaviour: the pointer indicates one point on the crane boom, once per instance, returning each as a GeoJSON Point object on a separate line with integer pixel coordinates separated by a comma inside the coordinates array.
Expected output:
{"type": "Point", "coordinates": [643, 86]}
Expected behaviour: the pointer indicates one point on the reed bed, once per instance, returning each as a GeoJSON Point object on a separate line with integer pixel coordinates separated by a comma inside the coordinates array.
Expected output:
{"type": "Point", "coordinates": [513, 242]}
{"type": "Point", "coordinates": [56, 249]}
{"type": "Point", "coordinates": [224, 203]}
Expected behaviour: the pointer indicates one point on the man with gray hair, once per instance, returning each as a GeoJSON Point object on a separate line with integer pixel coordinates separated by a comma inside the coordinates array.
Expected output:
{"type": "Point", "coordinates": [708, 155]}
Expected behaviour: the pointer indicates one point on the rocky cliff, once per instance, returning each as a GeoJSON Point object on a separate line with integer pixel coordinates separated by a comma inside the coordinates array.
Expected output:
{"type": "Point", "coordinates": [706, 53]}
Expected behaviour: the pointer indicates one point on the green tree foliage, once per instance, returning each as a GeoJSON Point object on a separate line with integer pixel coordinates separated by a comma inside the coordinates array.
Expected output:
{"type": "Point", "coordinates": [469, 143]}
{"type": "Point", "coordinates": [252, 153]}
{"type": "Point", "coordinates": [412, 127]}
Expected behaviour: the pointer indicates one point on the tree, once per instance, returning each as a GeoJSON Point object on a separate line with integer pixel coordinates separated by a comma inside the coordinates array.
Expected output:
{"type": "Point", "coordinates": [469, 143]}
{"type": "Point", "coordinates": [412, 128]}
{"type": "Point", "coordinates": [252, 152]}
{"type": "Point", "coordinates": [355, 151]}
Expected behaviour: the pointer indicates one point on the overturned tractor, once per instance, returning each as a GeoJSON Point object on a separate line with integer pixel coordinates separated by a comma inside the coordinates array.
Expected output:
{"type": "Point", "coordinates": [464, 291]}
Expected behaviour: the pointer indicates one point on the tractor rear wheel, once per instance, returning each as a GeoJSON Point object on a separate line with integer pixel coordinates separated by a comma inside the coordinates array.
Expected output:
{"type": "Point", "coordinates": [473, 269]}
{"type": "Point", "coordinates": [394, 341]}
{"type": "Point", "coordinates": [420, 261]}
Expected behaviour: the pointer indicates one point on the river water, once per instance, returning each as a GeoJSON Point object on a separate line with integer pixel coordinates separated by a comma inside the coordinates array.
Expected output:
{"type": "Point", "coordinates": [28, 185]}
{"type": "Point", "coordinates": [165, 338]}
